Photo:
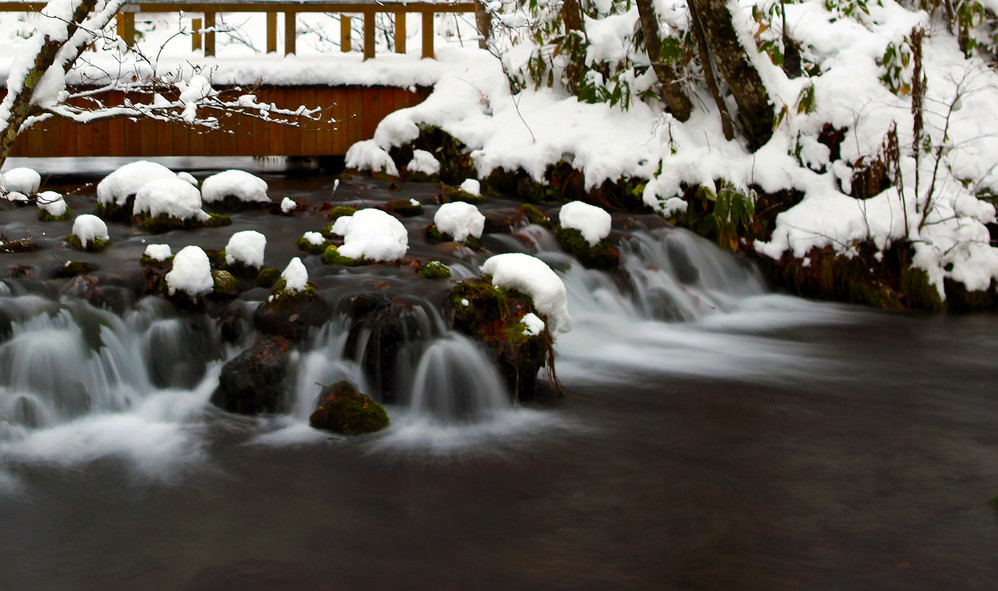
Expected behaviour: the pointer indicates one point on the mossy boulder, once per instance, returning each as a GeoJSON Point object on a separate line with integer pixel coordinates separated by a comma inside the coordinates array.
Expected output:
{"type": "Point", "coordinates": [534, 215]}
{"type": "Point", "coordinates": [165, 223]}
{"type": "Point", "coordinates": [434, 235]}
{"type": "Point", "coordinates": [268, 277]}
{"type": "Point", "coordinates": [406, 208]}
{"type": "Point", "coordinates": [254, 381]}
{"type": "Point", "coordinates": [602, 256]}
{"type": "Point", "coordinates": [48, 217]}
{"type": "Point", "coordinates": [95, 245]}
{"type": "Point", "coordinates": [306, 245]}
{"type": "Point", "coordinates": [340, 211]}
{"type": "Point", "coordinates": [494, 316]}
{"type": "Point", "coordinates": [331, 256]}
{"type": "Point", "coordinates": [225, 284]}
{"type": "Point", "coordinates": [75, 269]}
{"type": "Point", "coordinates": [291, 314]}
{"type": "Point", "coordinates": [434, 270]}
{"type": "Point", "coordinates": [345, 411]}
{"type": "Point", "coordinates": [503, 223]}
{"type": "Point", "coordinates": [116, 212]}
{"type": "Point", "coordinates": [455, 194]}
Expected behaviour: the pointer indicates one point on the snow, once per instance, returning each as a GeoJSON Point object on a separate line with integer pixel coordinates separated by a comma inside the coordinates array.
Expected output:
{"type": "Point", "coordinates": [314, 238]}
{"type": "Point", "coordinates": [423, 161]}
{"type": "Point", "coordinates": [191, 273]}
{"type": "Point", "coordinates": [288, 205]}
{"type": "Point", "coordinates": [88, 227]}
{"type": "Point", "coordinates": [126, 181]}
{"type": "Point", "coordinates": [295, 276]}
{"type": "Point", "coordinates": [534, 325]}
{"type": "Point", "coordinates": [188, 177]}
{"type": "Point", "coordinates": [22, 180]}
{"type": "Point", "coordinates": [460, 220]}
{"type": "Point", "coordinates": [533, 277]}
{"type": "Point", "coordinates": [593, 222]}
{"type": "Point", "coordinates": [246, 247]}
{"type": "Point", "coordinates": [373, 234]}
{"type": "Point", "coordinates": [238, 183]}
{"type": "Point", "coordinates": [471, 186]}
{"type": "Point", "coordinates": [158, 252]}
{"type": "Point", "coordinates": [52, 203]}
{"type": "Point", "coordinates": [171, 196]}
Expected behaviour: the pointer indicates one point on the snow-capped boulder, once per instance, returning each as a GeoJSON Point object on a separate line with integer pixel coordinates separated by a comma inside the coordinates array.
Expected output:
{"type": "Point", "coordinates": [191, 273]}
{"type": "Point", "coordinates": [170, 196]}
{"type": "Point", "coordinates": [593, 222]}
{"type": "Point", "coordinates": [460, 220]}
{"type": "Point", "coordinates": [234, 184]}
{"type": "Point", "coordinates": [22, 180]}
{"type": "Point", "coordinates": [117, 187]}
{"type": "Point", "coordinates": [373, 235]}
{"type": "Point", "coordinates": [89, 233]}
{"type": "Point", "coordinates": [533, 277]}
{"type": "Point", "coordinates": [246, 248]}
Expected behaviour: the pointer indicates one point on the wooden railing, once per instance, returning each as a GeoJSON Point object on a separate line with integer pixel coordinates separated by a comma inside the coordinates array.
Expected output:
{"type": "Point", "coordinates": [203, 36]}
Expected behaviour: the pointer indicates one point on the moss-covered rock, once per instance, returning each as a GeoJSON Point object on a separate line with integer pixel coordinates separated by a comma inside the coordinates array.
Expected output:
{"type": "Point", "coordinates": [291, 314]}
{"type": "Point", "coordinates": [434, 235]}
{"type": "Point", "coordinates": [434, 270]}
{"type": "Point", "coordinates": [503, 223]}
{"type": "Point", "coordinates": [332, 256]}
{"type": "Point", "coordinates": [115, 212]}
{"type": "Point", "coordinates": [345, 411]}
{"type": "Point", "coordinates": [534, 215]}
{"type": "Point", "coordinates": [147, 261]}
{"type": "Point", "coordinates": [340, 211]}
{"type": "Point", "coordinates": [75, 269]}
{"type": "Point", "coordinates": [267, 277]}
{"type": "Point", "coordinates": [602, 256]}
{"type": "Point", "coordinates": [455, 194]}
{"type": "Point", "coordinates": [306, 245]}
{"type": "Point", "coordinates": [225, 283]}
{"type": "Point", "coordinates": [165, 223]}
{"type": "Point", "coordinates": [95, 245]}
{"type": "Point", "coordinates": [994, 503]}
{"type": "Point", "coordinates": [406, 208]}
{"type": "Point", "coordinates": [48, 217]}
{"type": "Point", "coordinates": [253, 381]}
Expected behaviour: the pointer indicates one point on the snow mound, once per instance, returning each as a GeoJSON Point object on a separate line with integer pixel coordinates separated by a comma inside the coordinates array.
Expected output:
{"type": "Point", "coordinates": [471, 186]}
{"type": "Point", "coordinates": [314, 238]}
{"type": "Point", "coordinates": [295, 276]}
{"type": "Point", "coordinates": [172, 196]}
{"type": "Point", "coordinates": [372, 234]}
{"type": "Point", "coordinates": [533, 277]}
{"type": "Point", "coordinates": [246, 247]}
{"type": "Point", "coordinates": [51, 203]}
{"type": "Point", "coordinates": [288, 205]}
{"type": "Point", "coordinates": [191, 273]}
{"type": "Point", "coordinates": [126, 181]}
{"type": "Point", "coordinates": [460, 220]}
{"type": "Point", "coordinates": [238, 183]}
{"type": "Point", "coordinates": [423, 161]}
{"type": "Point", "coordinates": [22, 180]}
{"type": "Point", "coordinates": [188, 177]}
{"type": "Point", "coordinates": [593, 222]}
{"type": "Point", "coordinates": [158, 252]}
{"type": "Point", "coordinates": [88, 227]}
{"type": "Point", "coordinates": [534, 325]}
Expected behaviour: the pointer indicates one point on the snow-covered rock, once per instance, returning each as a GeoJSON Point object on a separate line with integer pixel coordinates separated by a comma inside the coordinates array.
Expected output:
{"type": "Point", "coordinates": [126, 181]}
{"type": "Point", "coordinates": [158, 252]}
{"type": "Point", "coordinates": [22, 180]}
{"type": "Point", "coordinates": [88, 228]}
{"type": "Point", "coordinates": [191, 273]}
{"type": "Point", "coordinates": [246, 247]}
{"type": "Point", "coordinates": [314, 238]}
{"type": "Point", "coordinates": [238, 183]}
{"type": "Point", "coordinates": [425, 162]}
{"type": "Point", "coordinates": [295, 276]}
{"type": "Point", "coordinates": [533, 277]}
{"type": "Point", "coordinates": [472, 187]}
{"type": "Point", "coordinates": [288, 205]}
{"type": "Point", "coordinates": [172, 196]}
{"type": "Point", "coordinates": [534, 325]}
{"type": "Point", "coordinates": [593, 222]}
{"type": "Point", "coordinates": [51, 203]}
{"type": "Point", "coordinates": [187, 177]}
{"type": "Point", "coordinates": [372, 234]}
{"type": "Point", "coordinates": [460, 220]}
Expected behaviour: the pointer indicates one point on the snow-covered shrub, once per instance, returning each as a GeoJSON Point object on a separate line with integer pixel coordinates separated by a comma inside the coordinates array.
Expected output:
{"type": "Point", "coordinates": [459, 221]}
{"type": "Point", "coordinates": [372, 235]}
{"type": "Point", "coordinates": [233, 188]}
{"type": "Point", "coordinates": [533, 277]}
{"type": "Point", "coordinates": [89, 233]}
{"type": "Point", "coordinates": [246, 249]}
{"type": "Point", "coordinates": [191, 273]}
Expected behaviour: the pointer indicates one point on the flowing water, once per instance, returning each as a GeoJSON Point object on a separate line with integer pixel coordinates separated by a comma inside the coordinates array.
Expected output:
{"type": "Point", "coordinates": [714, 435]}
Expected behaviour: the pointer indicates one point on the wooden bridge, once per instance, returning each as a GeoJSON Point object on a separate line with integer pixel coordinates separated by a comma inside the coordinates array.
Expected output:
{"type": "Point", "coordinates": [348, 113]}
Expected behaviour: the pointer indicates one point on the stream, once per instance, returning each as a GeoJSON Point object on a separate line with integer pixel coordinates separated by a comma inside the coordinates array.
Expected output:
{"type": "Point", "coordinates": [714, 435]}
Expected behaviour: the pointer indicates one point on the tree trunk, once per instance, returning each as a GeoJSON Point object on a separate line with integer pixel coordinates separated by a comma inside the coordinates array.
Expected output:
{"type": "Point", "coordinates": [675, 99]}
{"type": "Point", "coordinates": [19, 104]}
{"type": "Point", "coordinates": [575, 34]}
{"type": "Point", "coordinates": [483, 21]}
{"type": "Point", "coordinates": [755, 110]}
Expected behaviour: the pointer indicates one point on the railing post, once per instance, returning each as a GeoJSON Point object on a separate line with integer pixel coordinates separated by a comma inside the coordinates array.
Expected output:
{"type": "Point", "coordinates": [271, 32]}
{"type": "Point", "coordinates": [209, 37]}
{"type": "Point", "coordinates": [369, 33]}
{"type": "Point", "coordinates": [126, 27]}
{"type": "Point", "coordinates": [290, 32]}
{"type": "Point", "coordinates": [346, 33]}
{"type": "Point", "coordinates": [428, 33]}
{"type": "Point", "coordinates": [196, 25]}
{"type": "Point", "coordinates": [400, 31]}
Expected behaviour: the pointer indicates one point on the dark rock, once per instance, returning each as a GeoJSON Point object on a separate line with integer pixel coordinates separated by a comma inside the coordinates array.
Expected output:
{"type": "Point", "coordinates": [291, 316]}
{"type": "Point", "coordinates": [25, 413]}
{"type": "Point", "coordinates": [404, 207]}
{"type": "Point", "coordinates": [75, 268]}
{"type": "Point", "coordinates": [686, 272]}
{"type": "Point", "coordinates": [6, 326]}
{"type": "Point", "coordinates": [503, 223]}
{"type": "Point", "coordinates": [602, 256]}
{"type": "Point", "coordinates": [253, 382]}
{"type": "Point", "coordinates": [345, 411]}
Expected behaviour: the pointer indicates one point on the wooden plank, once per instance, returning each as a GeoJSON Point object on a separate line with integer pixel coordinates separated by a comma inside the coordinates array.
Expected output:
{"type": "Point", "coordinates": [290, 32]}
{"type": "Point", "coordinates": [324, 129]}
{"type": "Point", "coordinates": [371, 94]}
{"type": "Point", "coordinates": [36, 142]}
{"type": "Point", "coordinates": [126, 27]}
{"type": "Point", "coordinates": [400, 16]}
{"type": "Point", "coordinates": [386, 104]}
{"type": "Point", "coordinates": [276, 130]}
{"type": "Point", "coordinates": [209, 37]}
{"type": "Point", "coordinates": [67, 138]}
{"type": "Point", "coordinates": [115, 128]}
{"type": "Point", "coordinates": [271, 32]}
{"type": "Point", "coordinates": [260, 132]}
{"type": "Point", "coordinates": [340, 114]}
{"type": "Point", "coordinates": [98, 138]}
{"type": "Point", "coordinates": [428, 34]}
{"type": "Point", "coordinates": [213, 142]}
{"type": "Point", "coordinates": [308, 131]}
{"type": "Point", "coordinates": [292, 134]}
{"type": "Point", "coordinates": [164, 138]}
{"type": "Point", "coordinates": [244, 135]}
{"type": "Point", "coordinates": [180, 136]}
{"type": "Point", "coordinates": [346, 33]}
{"type": "Point", "coordinates": [195, 142]}
{"type": "Point", "coordinates": [196, 41]}
{"type": "Point", "coordinates": [227, 136]}
{"type": "Point", "coordinates": [147, 137]}
{"type": "Point", "coordinates": [355, 117]}
{"type": "Point", "coordinates": [369, 33]}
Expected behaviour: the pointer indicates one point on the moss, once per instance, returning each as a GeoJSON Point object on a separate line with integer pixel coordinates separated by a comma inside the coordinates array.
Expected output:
{"type": "Point", "coordinates": [418, 177]}
{"type": "Point", "coordinates": [602, 256]}
{"type": "Point", "coordinates": [148, 261]}
{"type": "Point", "coordinates": [225, 283]}
{"type": "Point", "coordinates": [75, 268]}
{"type": "Point", "coordinates": [455, 194]}
{"type": "Point", "coordinates": [433, 234]}
{"type": "Point", "coordinates": [233, 203]}
{"type": "Point", "coordinates": [280, 292]}
{"type": "Point", "coordinates": [340, 211]}
{"type": "Point", "coordinates": [267, 277]}
{"type": "Point", "coordinates": [534, 215]}
{"type": "Point", "coordinates": [994, 503]}
{"type": "Point", "coordinates": [434, 270]}
{"type": "Point", "coordinates": [307, 246]}
{"type": "Point", "coordinates": [48, 217]}
{"type": "Point", "coordinates": [165, 223]}
{"type": "Point", "coordinates": [345, 411]}
{"type": "Point", "coordinates": [115, 212]}
{"type": "Point", "coordinates": [19, 246]}
{"type": "Point", "coordinates": [332, 256]}
{"type": "Point", "coordinates": [404, 207]}
{"type": "Point", "coordinates": [95, 245]}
